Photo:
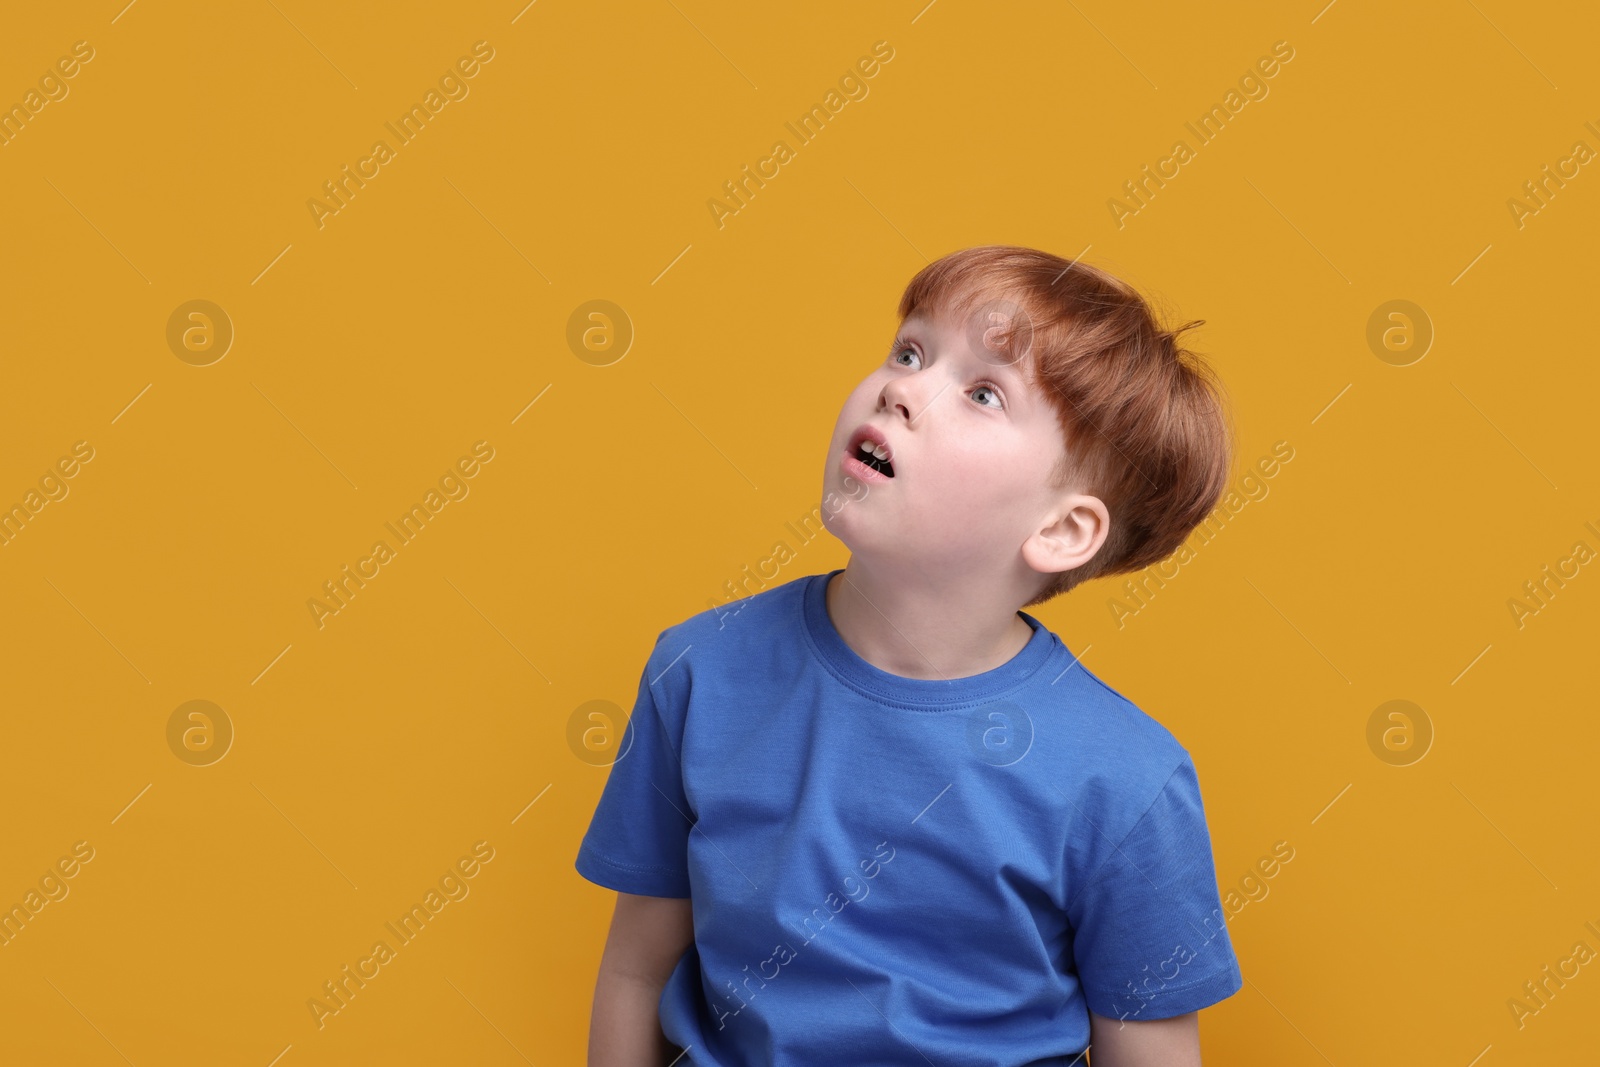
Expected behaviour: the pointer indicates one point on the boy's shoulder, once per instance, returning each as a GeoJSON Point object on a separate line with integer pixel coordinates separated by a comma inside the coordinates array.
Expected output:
{"type": "Point", "coordinates": [1113, 718]}
{"type": "Point", "coordinates": [1121, 747]}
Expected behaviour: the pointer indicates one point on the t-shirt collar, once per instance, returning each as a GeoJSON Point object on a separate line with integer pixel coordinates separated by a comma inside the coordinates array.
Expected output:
{"type": "Point", "coordinates": [923, 693]}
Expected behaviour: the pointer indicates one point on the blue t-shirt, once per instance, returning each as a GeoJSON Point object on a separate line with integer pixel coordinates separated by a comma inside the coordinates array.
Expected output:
{"type": "Point", "coordinates": [896, 871]}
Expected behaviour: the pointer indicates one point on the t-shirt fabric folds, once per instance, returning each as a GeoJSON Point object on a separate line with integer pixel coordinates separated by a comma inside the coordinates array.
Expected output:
{"type": "Point", "coordinates": [890, 871]}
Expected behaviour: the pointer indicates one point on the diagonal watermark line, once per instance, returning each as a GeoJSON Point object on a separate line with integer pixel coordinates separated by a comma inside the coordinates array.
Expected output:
{"type": "Point", "coordinates": [269, 666]}
{"type": "Point", "coordinates": [889, 1022]}
{"type": "Point", "coordinates": [1072, 264]}
{"type": "Point", "coordinates": [1468, 667]}
{"type": "Point", "coordinates": [1301, 232]}
{"type": "Point", "coordinates": [98, 230]}
{"type": "Point", "coordinates": [313, 44]}
{"type": "Point", "coordinates": [1330, 804]}
{"type": "Point", "coordinates": [302, 433]}
{"type": "Point", "coordinates": [97, 630]}
{"type": "Point", "coordinates": [1502, 433]}
{"type": "Point", "coordinates": [302, 833]}
{"type": "Point", "coordinates": [1076, 659]}
{"type": "Point", "coordinates": [1286, 1019]}
{"type": "Point", "coordinates": [1513, 44]}
{"type": "Point", "coordinates": [932, 802]}
{"type": "Point", "coordinates": [695, 825]}
{"type": "Point", "coordinates": [885, 218]}
{"type": "Point", "coordinates": [702, 433]}
{"type": "Point", "coordinates": [130, 404]}
{"type": "Point", "coordinates": [669, 266]}
{"type": "Point", "coordinates": [499, 231]}
{"type": "Point", "coordinates": [1113, 44]}
{"type": "Point", "coordinates": [530, 404]}
{"type": "Point", "coordinates": [1330, 404]}
{"type": "Point", "coordinates": [1502, 833]}
{"type": "Point", "coordinates": [269, 266]}
{"type": "Point", "coordinates": [668, 667]}
{"type": "Point", "coordinates": [713, 44]}
{"type": "Point", "coordinates": [929, 404]}
{"type": "Point", "coordinates": [1156, 889]}
{"type": "Point", "coordinates": [90, 1021]}
{"type": "Point", "coordinates": [1469, 266]}
{"type": "Point", "coordinates": [499, 631]}
{"type": "Point", "coordinates": [130, 804]}
{"type": "Point", "coordinates": [530, 804]}
{"type": "Point", "coordinates": [1299, 631]}
{"type": "Point", "coordinates": [488, 1020]}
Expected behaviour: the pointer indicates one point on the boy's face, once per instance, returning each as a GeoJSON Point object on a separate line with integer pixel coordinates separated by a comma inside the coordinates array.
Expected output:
{"type": "Point", "coordinates": [972, 446]}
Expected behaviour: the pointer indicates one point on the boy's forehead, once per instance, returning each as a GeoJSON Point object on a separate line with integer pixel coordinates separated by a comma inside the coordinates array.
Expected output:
{"type": "Point", "coordinates": [972, 334]}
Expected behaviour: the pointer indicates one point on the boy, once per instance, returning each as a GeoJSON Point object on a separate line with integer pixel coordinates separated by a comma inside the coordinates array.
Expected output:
{"type": "Point", "coordinates": [882, 816]}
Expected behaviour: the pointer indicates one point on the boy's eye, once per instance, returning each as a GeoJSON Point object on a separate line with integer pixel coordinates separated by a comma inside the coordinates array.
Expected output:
{"type": "Point", "coordinates": [998, 403]}
{"type": "Point", "coordinates": [902, 348]}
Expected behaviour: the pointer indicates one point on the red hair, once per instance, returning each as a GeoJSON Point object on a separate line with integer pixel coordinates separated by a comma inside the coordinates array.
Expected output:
{"type": "Point", "coordinates": [1142, 418]}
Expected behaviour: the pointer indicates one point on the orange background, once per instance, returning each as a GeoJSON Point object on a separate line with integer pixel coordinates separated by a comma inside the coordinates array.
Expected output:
{"type": "Point", "coordinates": [431, 312]}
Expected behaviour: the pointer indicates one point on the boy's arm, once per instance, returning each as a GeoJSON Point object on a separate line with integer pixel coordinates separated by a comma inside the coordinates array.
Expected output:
{"type": "Point", "coordinates": [648, 937]}
{"type": "Point", "coordinates": [1142, 910]}
{"type": "Point", "coordinates": [1173, 1042]}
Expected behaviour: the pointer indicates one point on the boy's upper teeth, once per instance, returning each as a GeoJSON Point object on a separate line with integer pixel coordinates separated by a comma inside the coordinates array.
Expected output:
{"type": "Point", "coordinates": [878, 450]}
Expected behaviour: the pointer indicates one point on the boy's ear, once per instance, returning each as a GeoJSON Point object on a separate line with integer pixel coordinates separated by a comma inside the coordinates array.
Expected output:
{"type": "Point", "coordinates": [1071, 537]}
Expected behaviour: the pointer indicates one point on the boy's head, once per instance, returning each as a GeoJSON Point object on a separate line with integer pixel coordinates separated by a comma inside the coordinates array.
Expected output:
{"type": "Point", "coordinates": [1038, 420]}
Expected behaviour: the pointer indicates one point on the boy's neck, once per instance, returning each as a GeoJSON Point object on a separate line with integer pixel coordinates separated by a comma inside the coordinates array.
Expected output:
{"type": "Point", "coordinates": [916, 632]}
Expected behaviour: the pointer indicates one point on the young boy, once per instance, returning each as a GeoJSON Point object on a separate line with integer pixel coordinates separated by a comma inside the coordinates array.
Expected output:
{"type": "Point", "coordinates": [882, 816]}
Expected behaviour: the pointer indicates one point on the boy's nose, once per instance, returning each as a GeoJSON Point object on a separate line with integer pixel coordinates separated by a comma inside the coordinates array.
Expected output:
{"type": "Point", "coordinates": [892, 398]}
{"type": "Point", "coordinates": [910, 395]}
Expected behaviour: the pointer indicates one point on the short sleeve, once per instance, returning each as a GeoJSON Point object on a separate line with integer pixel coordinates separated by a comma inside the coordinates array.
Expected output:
{"type": "Point", "coordinates": [1150, 938]}
{"type": "Point", "coordinates": [638, 837]}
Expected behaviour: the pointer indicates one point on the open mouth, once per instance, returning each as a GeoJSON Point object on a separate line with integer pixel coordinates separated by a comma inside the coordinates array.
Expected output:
{"type": "Point", "coordinates": [866, 455]}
